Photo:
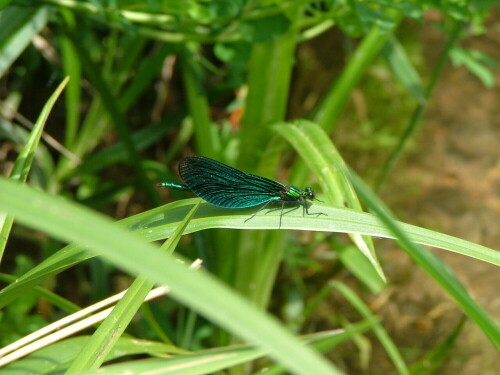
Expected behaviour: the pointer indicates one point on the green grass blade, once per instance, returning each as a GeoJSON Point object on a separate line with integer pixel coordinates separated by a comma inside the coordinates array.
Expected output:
{"type": "Point", "coordinates": [205, 361]}
{"type": "Point", "coordinates": [55, 264]}
{"type": "Point", "coordinates": [258, 264]}
{"type": "Point", "coordinates": [144, 75]}
{"type": "Point", "coordinates": [97, 348]}
{"type": "Point", "coordinates": [25, 159]}
{"type": "Point", "coordinates": [269, 75]}
{"type": "Point", "coordinates": [330, 109]}
{"type": "Point", "coordinates": [378, 329]}
{"type": "Point", "coordinates": [23, 163]}
{"type": "Point", "coordinates": [328, 112]}
{"type": "Point", "coordinates": [206, 139]}
{"type": "Point", "coordinates": [161, 222]}
{"type": "Point", "coordinates": [203, 293]}
{"type": "Point", "coordinates": [95, 125]}
{"type": "Point", "coordinates": [321, 156]}
{"type": "Point", "coordinates": [477, 62]}
{"type": "Point", "coordinates": [72, 68]}
{"type": "Point", "coordinates": [402, 68]}
{"type": "Point", "coordinates": [73, 254]}
{"type": "Point", "coordinates": [56, 358]}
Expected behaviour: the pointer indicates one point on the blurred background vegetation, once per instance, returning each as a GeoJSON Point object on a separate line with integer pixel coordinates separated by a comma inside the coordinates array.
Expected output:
{"type": "Point", "coordinates": [406, 91]}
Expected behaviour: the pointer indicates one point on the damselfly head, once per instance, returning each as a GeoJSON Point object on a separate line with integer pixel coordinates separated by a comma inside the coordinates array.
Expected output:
{"type": "Point", "coordinates": [309, 194]}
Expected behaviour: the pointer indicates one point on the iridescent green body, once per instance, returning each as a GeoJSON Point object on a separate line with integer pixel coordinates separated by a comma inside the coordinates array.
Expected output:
{"type": "Point", "coordinates": [224, 186]}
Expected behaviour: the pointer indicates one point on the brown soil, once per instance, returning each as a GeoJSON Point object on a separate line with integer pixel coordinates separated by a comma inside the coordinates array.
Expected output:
{"type": "Point", "coordinates": [457, 168]}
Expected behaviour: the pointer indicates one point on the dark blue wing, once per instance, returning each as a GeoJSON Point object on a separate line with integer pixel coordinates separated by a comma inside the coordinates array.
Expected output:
{"type": "Point", "coordinates": [224, 186]}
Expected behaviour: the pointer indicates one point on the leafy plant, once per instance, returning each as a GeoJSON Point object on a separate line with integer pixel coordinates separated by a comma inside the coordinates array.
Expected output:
{"type": "Point", "coordinates": [151, 81]}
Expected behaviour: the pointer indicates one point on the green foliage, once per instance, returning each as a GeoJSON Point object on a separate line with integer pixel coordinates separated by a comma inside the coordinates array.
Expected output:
{"type": "Point", "coordinates": [19, 318]}
{"type": "Point", "coordinates": [152, 81]}
{"type": "Point", "coordinates": [477, 62]}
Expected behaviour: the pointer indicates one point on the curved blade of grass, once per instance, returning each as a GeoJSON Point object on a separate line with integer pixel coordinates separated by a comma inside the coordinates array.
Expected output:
{"type": "Point", "coordinates": [161, 222]}
{"type": "Point", "coordinates": [203, 361]}
{"type": "Point", "coordinates": [378, 329]}
{"type": "Point", "coordinates": [102, 341]}
{"type": "Point", "coordinates": [56, 357]}
{"type": "Point", "coordinates": [23, 163]}
{"type": "Point", "coordinates": [321, 156]}
{"type": "Point", "coordinates": [434, 266]}
{"type": "Point", "coordinates": [203, 293]}
{"type": "Point", "coordinates": [477, 62]}
{"type": "Point", "coordinates": [53, 265]}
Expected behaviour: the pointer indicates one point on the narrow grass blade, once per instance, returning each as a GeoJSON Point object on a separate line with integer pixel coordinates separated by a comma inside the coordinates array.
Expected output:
{"type": "Point", "coordinates": [206, 138]}
{"type": "Point", "coordinates": [56, 358]}
{"type": "Point", "coordinates": [97, 348]}
{"type": "Point", "coordinates": [203, 361]}
{"type": "Point", "coordinates": [328, 113]}
{"type": "Point", "coordinates": [72, 68]}
{"type": "Point", "coordinates": [477, 62]}
{"type": "Point", "coordinates": [23, 163]}
{"type": "Point", "coordinates": [161, 222]}
{"type": "Point", "coordinates": [270, 69]}
{"type": "Point", "coordinates": [402, 68]}
{"type": "Point", "coordinates": [58, 262]}
{"type": "Point", "coordinates": [378, 329]}
{"type": "Point", "coordinates": [318, 151]}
